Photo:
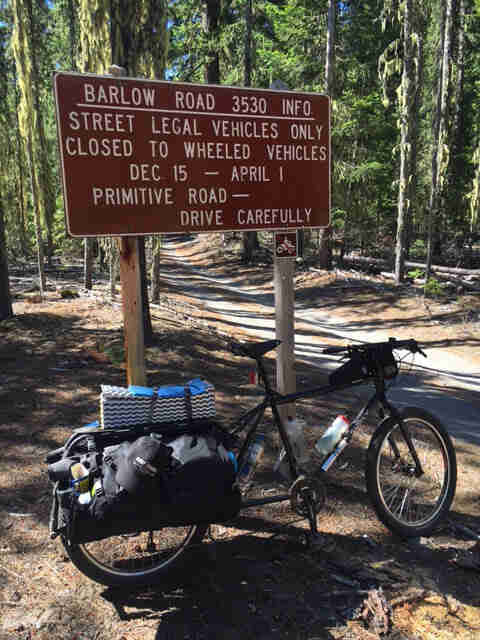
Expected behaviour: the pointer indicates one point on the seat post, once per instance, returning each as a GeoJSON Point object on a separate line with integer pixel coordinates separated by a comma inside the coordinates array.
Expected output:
{"type": "Point", "coordinates": [263, 375]}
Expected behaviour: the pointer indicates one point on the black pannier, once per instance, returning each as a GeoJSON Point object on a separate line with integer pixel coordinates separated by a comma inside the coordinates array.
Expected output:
{"type": "Point", "coordinates": [151, 481]}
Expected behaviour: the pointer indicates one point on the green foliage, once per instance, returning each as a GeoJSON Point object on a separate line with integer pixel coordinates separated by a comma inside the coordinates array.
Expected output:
{"type": "Point", "coordinates": [434, 289]}
{"type": "Point", "coordinates": [288, 44]}
{"type": "Point", "coordinates": [416, 274]}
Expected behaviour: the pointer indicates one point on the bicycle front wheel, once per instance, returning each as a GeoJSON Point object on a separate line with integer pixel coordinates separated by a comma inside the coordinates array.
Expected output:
{"type": "Point", "coordinates": [134, 560]}
{"type": "Point", "coordinates": [410, 503]}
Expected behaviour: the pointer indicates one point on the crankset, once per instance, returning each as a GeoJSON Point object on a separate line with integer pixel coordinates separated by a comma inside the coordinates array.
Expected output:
{"type": "Point", "coordinates": [306, 492]}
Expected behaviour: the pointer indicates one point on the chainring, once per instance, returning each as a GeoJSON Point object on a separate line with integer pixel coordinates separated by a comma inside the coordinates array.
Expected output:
{"type": "Point", "coordinates": [307, 488]}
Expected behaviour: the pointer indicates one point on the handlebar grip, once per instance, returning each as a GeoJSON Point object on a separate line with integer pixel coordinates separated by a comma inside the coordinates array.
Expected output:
{"type": "Point", "coordinates": [53, 456]}
{"type": "Point", "coordinates": [411, 344]}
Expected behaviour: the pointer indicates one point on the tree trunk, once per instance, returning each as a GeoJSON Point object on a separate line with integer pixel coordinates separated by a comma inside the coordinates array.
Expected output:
{"type": "Point", "coordinates": [38, 226]}
{"type": "Point", "coordinates": [250, 238]}
{"type": "Point", "coordinates": [46, 201]}
{"type": "Point", "coordinates": [406, 118]}
{"type": "Point", "coordinates": [20, 191]}
{"type": "Point", "coordinates": [440, 129]}
{"type": "Point", "coordinates": [113, 266]}
{"type": "Point", "coordinates": [325, 245]}
{"type": "Point", "coordinates": [155, 271]}
{"type": "Point", "coordinates": [330, 49]}
{"type": "Point", "coordinates": [456, 183]}
{"type": "Point", "coordinates": [211, 17]}
{"type": "Point", "coordinates": [19, 181]}
{"type": "Point", "coordinates": [5, 300]}
{"type": "Point", "coordinates": [247, 65]}
{"type": "Point", "coordinates": [147, 318]}
{"type": "Point", "coordinates": [420, 24]}
{"type": "Point", "coordinates": [250, 244]}
{"type": "Point", "coordinates": [475, 193]}
{"type": "Point", "coordinates": [325, 249]}
{"type": "Point", "coordinates": [29, 113]}
{"type": "Point", "coordinates": [87, 263]}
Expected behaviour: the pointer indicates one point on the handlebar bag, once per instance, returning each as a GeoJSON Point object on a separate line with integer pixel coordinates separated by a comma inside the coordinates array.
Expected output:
{"type": "Point", "coordinates": [387, 361]}
{"type": "Point", "coordinates": [353, 370]}
{"type": "Point", "coordinates": [377, 359]}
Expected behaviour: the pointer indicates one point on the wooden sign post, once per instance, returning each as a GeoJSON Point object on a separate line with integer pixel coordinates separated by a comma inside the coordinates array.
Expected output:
{"type": "Point", "coordinates": [130, 278]}
{"type": "Point", "coordinates": [131, 286]}
{"type": "Point", "coordinates": [283, 272]}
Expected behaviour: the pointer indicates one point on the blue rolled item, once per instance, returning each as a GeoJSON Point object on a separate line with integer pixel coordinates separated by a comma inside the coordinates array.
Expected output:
{"type": "Point", "coordinates": [196, 386]}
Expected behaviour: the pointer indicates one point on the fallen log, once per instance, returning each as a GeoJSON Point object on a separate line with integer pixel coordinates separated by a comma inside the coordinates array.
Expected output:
{"type": "Point", "coordinates": [415, 265]}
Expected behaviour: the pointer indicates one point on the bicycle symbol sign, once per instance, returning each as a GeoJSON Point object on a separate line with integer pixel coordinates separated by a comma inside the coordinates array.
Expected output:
{"type": "Point", "coordinates": [286, 244]}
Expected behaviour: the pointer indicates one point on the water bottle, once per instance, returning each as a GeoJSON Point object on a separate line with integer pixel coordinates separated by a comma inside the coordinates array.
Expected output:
{"type": "Point", "coordinates": [332, 436]}
{"type": "Point", "coordinates": [296, 433]}
{"type": "Point", "coordinates": [80, 477]}
{"type": "Point", "coordinates": [81, 482]}
{"type": "Point", "coordinates": [252, 458]}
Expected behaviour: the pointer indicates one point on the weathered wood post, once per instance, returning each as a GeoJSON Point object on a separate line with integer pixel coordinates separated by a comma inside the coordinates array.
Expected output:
{"type": "Point", "coordinates": [283, 271]}
{"type": "Point", "coordinates": [131, 284]}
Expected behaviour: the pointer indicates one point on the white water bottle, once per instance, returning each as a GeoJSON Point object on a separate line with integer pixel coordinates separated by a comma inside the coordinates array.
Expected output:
{"type": "Point", "coordinates": [252, 458]}
{"type": "Point", "coordinates": [296, 434]}
{"type": "Point", "coordinates": [332, 436]}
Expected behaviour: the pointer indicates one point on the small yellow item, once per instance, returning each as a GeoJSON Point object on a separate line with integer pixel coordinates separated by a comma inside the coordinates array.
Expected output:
{"type": "Point", "coordinates": [81, 477]}
{"type": "Point", "coordinates": [97, 485]}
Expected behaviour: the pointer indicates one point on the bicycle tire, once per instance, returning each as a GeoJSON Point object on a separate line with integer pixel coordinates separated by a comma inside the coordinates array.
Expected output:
{"type": "Point", "coordinates": [411, 506]}
{"type": "Point", "coordinates": [120, 561]}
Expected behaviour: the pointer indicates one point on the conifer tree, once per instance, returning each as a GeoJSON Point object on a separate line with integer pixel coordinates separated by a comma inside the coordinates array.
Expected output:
{"type": "Point", "coordinates": [30, 117]}
{"type": "Point", "coordinates": [440, 149]}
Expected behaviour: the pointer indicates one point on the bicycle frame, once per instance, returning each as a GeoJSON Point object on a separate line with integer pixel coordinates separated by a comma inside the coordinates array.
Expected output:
{"type": "Point", "coordinates": [273, 399]}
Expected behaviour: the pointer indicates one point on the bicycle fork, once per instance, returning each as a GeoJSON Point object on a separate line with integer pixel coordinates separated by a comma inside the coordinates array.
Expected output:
{"type": "Point", "coordinates": [406, 436]}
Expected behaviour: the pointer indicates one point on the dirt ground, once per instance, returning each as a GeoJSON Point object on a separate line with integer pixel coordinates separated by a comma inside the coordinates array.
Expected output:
{"type": "Point", "coordinates": [252, 578]}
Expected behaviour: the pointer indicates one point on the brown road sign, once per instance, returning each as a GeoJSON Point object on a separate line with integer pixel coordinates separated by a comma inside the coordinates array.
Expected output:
{"type": "Point", "coordinates": [142, 156]}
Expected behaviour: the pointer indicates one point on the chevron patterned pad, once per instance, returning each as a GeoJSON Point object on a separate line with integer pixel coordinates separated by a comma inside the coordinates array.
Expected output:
{"type": "Point", "coordinates": [120, 406]}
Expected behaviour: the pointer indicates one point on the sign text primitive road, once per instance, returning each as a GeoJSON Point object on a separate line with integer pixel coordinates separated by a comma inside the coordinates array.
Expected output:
{"type": "Point", "coordinates": [142, 156]}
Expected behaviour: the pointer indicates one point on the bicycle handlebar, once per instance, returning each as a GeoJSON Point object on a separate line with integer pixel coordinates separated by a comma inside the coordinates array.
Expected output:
{"type": "Point", "coordinates": [411, 344]}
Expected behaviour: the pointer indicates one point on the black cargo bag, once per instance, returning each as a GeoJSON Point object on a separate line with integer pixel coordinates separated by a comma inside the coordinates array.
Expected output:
{"type": "Point", "coordinates": [156, 481]}
{"type": "Point", "coordinates": [353, 370]}
{"type": "Point", "coordinates": [368, 364]}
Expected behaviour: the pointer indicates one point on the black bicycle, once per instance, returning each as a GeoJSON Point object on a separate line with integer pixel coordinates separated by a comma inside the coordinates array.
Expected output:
{"type": "Point", "coordinates": [410, 466]}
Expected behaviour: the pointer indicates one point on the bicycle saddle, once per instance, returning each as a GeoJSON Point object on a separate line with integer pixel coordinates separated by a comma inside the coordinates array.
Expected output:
{"type": "Point", "coordinates": [253, 350]}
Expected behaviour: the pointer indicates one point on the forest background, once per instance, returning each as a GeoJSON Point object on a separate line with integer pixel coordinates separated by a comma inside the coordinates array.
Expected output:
{"type": "Point", "coordinates": [404, 79]}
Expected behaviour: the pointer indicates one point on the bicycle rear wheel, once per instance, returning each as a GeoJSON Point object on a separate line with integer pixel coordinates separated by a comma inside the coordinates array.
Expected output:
{"type": "Point", "coordinates": [409, 504]}
{"type": "Point", "coordinates": [134, 560]}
